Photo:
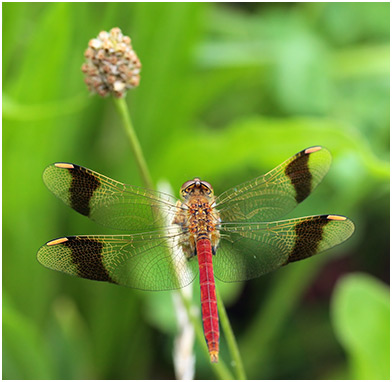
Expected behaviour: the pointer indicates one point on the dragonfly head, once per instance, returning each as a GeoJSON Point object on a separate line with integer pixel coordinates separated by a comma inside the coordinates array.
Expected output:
{"type": "Point", "coordinates": [196, 187]}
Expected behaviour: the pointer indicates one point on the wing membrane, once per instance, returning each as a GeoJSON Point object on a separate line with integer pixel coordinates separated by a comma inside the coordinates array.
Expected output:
{"type": "Point", "coordinates": [107, 201]}
{"type": "Point", "coordinates": [144, 261]}
{"type": "Point", "coordinates": [247, 251]}
{"type": "Point", "coordinates": [273, 195]}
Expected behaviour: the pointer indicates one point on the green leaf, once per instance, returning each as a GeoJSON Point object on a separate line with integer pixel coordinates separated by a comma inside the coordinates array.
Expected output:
{"type": "Point", "coordinates": [360, 316]}
{"type": "Point", "coordinates": [73, 346]}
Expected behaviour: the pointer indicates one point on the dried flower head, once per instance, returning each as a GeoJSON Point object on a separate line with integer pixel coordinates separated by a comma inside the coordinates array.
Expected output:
{"type": "Point", "coordinates": [112, 66]}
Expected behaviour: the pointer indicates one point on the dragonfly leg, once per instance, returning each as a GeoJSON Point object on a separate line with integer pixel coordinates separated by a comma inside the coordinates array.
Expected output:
{"type": "Point", "coordinates": [188, 247]}
{"type": "Point", "coordinates": [215, 236]}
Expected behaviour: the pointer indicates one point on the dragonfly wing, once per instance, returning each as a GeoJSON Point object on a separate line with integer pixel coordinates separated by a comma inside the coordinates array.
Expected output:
{"type": "Point", "coordinates": [107, 201]}
{"type": "Point", "coordinates": [144, 261]}
{"type": "Point", "coordinates": [273, 195]}
{"type": "Point", "coordinates": [247, 251]}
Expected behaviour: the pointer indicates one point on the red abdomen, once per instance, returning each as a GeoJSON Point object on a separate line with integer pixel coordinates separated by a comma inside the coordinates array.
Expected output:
{"type": "Point", "coordinates": [208, 298]}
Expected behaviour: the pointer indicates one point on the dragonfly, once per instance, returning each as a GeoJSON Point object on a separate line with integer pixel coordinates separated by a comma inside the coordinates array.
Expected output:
{"type": "Point", "coordinates": [234, 237]}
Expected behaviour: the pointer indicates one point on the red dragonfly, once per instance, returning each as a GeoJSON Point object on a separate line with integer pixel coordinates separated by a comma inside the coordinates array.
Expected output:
{"type": "Point", "coordinates": [233, 237]}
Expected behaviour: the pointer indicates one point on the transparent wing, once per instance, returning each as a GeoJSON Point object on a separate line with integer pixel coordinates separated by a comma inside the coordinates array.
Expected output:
{"type": "Point", "coordinates": [273, 195]}
{"type": "Point", "coordinates": [148, 261]}
{"type": "Point", "coordinates": [107, 201]}
{"type": "Point", "coordinates": [247, 251]}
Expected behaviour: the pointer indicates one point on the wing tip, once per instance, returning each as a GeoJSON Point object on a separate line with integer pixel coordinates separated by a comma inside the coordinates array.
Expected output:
{"type": "Point", "coordinates": [57, 241]}
{"type": "Point", "coordinates": [313, 149]}
{"type": "Point", "coordinates": [64, 165]}
{"type": "Point", "coordinates": [345, 223]}
{"type": "Point", "coordinates": [336, 217]}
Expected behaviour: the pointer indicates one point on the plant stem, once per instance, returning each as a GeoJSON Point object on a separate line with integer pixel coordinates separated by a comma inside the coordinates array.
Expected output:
{"type": "Point", "coordinates": [282, 298]}
{"type": "Point", "coordinates": [231, 341]}
{"type": "Point", "coordinates": [220, 369]}
{"type": "Point", "coordinates": [122, 109]}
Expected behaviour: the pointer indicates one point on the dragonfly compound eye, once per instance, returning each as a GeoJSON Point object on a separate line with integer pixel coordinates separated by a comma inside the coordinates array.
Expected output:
{"type": "Point", "coordinates": [207, 188]}
{"type": "Point", "coordinates": [187, 184]}
{"type": "Point", "coordinates": [186, 187]}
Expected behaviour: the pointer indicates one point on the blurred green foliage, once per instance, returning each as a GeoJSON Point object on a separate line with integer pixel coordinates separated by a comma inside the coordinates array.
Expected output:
{"type": "Point", "coordinates": [361, 318]}
{"type": "Point", "coordinates": [228, 91]}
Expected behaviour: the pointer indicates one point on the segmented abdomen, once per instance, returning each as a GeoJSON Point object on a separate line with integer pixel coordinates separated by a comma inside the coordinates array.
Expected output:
{"type": "Point", "coordinates": [208, 298]}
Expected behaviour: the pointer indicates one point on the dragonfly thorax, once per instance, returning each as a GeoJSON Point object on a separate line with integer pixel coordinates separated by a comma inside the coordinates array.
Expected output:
{"type": "Point", "coordinates": [196, 215]}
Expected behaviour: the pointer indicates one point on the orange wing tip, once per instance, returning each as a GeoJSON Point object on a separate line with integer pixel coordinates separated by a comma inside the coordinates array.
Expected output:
{"type": "Point", "coordinates": [314, 149]}
{"type": "Point", "coordinates": [214, 356]}
{"type": "Point", "coordinates": [64, 165]}
{"type": "Point", "coordinates": [57, 241]}
{"type": "Point", "coordinates": [336, 217]}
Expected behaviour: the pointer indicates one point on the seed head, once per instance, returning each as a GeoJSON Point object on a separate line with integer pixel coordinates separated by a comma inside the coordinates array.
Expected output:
{"type": "Point", "coordinates": [112, 66]}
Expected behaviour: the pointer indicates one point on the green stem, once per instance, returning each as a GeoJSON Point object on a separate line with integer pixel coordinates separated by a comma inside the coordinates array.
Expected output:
{"type": "Point", "coordinates": [230, 338]}
{"type": "Point", "coordinates": [122, 109]}
{"type": "Point", "coordinates": [220, 369]}
{"type": "Point", "coordinates": [282, 298]}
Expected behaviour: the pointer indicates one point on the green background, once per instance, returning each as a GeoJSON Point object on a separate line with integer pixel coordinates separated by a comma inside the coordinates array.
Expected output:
{"type": "Point", "coordinates": [227, 92]}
